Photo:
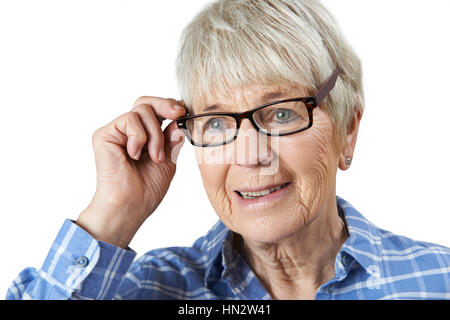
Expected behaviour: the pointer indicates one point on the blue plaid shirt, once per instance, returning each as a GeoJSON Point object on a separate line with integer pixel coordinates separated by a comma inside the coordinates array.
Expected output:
{"type": "Point", "coordinates": [372, 264]}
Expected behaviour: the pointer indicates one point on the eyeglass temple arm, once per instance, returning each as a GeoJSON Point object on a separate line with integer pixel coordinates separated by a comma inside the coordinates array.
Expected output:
{"type": "Point", "coordinates": [327, 86]}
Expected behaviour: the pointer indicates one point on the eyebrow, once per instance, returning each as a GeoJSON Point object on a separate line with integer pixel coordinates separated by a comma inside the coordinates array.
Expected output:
{"type": "Point", "coordinates": [264, 98]}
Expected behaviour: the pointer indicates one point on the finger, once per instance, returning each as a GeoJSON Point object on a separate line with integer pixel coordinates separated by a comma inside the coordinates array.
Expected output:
{"type": "Point", "coordinates": [130, 125]}
{"type": "Point", "coordinates": [163, 108]}
{"type": "Point", "coordinates": [174, 140]}
{"type": "Point", "coordinates": [155, 137]}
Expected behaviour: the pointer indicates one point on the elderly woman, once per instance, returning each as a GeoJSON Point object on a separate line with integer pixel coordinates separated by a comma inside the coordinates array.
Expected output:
{"type": "Point", "coordinates": [272, 101]}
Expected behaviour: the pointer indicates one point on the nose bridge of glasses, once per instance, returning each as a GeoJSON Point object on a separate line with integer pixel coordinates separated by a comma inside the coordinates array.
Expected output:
{"type": "Point", "coordinates": [246, 129]}
{"type": "Point", "coordinates": [250, 121]}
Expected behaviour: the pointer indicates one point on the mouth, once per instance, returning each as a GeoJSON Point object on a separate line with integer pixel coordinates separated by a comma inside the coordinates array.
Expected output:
{"type": "Point", "coordinates": [257, 193]}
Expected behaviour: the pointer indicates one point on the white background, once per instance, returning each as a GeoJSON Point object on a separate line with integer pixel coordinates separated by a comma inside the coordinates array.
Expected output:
{"type": "Point", "coordinates": [69, 67]}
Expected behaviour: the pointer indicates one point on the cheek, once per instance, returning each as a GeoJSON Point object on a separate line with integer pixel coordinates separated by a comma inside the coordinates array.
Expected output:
{"type": "Point", "coordinates": [321, 162]}
{"type": "Point", "coordinates": [214, 155]}
{"type": "Point", "coordinates": [314, 166]}
{"type": "Point", "coordinates": [214, 177]}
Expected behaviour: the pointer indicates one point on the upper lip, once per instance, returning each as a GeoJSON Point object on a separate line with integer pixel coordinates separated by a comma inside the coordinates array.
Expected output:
{"type": "Point", "coordinates": [256, 189]}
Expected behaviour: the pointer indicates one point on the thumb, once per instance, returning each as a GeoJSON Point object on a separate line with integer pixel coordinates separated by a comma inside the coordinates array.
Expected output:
{"type": "Point", "coordinates": [173, 140]}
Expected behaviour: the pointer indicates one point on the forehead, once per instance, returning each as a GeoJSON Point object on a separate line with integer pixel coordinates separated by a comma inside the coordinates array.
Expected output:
{"type": "Point", "coordinates": [250, 95]}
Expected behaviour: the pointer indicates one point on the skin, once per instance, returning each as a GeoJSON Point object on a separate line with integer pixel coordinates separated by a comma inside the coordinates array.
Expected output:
{"type": "Point", "coordinates": [290, 244]}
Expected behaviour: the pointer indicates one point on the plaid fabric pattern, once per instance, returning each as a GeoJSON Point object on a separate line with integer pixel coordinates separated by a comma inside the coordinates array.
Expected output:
{"type": "Point", "coordinates": [372, 264]}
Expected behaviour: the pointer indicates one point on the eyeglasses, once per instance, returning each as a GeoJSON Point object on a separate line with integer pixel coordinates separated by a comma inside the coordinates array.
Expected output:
{"type": "Point", "coordinates": [278, 118]}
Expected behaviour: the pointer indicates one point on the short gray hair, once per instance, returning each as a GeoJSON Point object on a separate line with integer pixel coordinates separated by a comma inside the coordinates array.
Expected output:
{"type": "Point", "coordinates": [235, 43]}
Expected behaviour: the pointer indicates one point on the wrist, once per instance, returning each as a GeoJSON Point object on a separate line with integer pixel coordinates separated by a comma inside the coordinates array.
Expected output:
{"type": "Point", "coordinates": [108, 224]}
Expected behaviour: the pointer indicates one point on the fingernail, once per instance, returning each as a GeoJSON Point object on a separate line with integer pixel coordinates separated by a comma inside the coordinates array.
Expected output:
{"type": "Point", "coordinates": [177, 106]}
{"type": "Point", "coordinates": [176, 151]}
{"type": "Point", "coordinates": [161, 155]}
{"type": "Point", "coordinates": [137, 154]}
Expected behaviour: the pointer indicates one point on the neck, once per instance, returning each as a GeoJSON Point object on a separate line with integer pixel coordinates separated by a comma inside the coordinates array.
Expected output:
{"type": "Point", "coordinates": [296, 266]}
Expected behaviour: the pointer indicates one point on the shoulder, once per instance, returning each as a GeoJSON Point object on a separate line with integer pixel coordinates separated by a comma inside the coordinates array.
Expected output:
{"type": "Point", "coordinates": [390, 247]}
{"type": "Point", "coordinates": [408, 262]}
{"type": "Point", "coordinates": [400, 266]}
{"type": "Point", "coordinates": [425, 254]}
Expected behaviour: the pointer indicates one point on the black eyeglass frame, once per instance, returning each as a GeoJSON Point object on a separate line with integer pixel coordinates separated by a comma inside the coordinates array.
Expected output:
{"type": "Point", "coordinates": [310, 102]}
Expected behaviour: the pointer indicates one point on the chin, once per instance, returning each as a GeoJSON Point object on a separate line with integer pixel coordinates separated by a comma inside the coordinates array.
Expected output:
{"type": "Point", "coordinates": [270, 228]}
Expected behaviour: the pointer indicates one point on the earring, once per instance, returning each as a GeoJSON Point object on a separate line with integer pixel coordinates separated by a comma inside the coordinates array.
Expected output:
{"type": "Point", "coordinates": [348, 161]}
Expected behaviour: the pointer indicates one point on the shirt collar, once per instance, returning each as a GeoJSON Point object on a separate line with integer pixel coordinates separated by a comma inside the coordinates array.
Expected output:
{"type": "Point", "coordinates": [364, 241]}
{"type": "Point", "coordinates": [225, 263]}
{"type": "Point", "coordinates": [214, 247]}
{"type": "Point", "coordinates": [362, 245]}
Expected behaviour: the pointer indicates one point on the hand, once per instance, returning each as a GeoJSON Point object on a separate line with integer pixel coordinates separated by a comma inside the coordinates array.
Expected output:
{"type": "Point", "coordinates": [135, 162]}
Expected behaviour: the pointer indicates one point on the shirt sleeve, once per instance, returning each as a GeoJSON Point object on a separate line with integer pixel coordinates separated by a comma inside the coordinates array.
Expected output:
{"type": "Point", "coordinates": [77, 267]}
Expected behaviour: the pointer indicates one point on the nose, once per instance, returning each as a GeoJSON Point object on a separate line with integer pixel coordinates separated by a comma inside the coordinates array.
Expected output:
{"type": "Point", "coordinates": [252, 149]}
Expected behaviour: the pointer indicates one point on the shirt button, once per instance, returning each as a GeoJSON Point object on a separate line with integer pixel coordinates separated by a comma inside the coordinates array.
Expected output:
{"type": "Point", "coordinates": [345, 259]}
{"type": "Point", "coordinates": [82, 261]}
{"type": "Point", "coordinates": [330, 289]}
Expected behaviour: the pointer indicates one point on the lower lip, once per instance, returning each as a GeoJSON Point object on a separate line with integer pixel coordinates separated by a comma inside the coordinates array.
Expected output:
{"type": "Point", "coordinates": [264, 200]}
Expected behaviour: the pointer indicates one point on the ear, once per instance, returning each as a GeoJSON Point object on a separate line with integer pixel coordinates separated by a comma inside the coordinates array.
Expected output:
{"type": "Point", "coordinates": [348, 146]}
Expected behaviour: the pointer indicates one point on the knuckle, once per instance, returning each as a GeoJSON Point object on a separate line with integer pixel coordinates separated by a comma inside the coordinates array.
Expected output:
{"type": "Point", "coordinates": [139, 100]}
{"type": "Point", "coordinates": [97, 133]}
{"type": "Point", "coordinates": [132, 115]}
{"type": "Point", "coordinates": [144, 100]}
{"type": "Point", "coordinates": [139, 137]}
{"type": "Point", "coordinates": [142, 109]}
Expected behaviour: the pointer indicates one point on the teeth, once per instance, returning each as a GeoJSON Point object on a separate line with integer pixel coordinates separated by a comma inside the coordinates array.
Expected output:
{"type": "Point", "coordinates": [252, 195]}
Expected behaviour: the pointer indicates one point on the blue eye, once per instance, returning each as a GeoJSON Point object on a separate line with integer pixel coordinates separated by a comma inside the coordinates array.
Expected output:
{"type": "Point", "coordinates": [214, 124]}
{"type": "Point", "coordinates": [284, 115]}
